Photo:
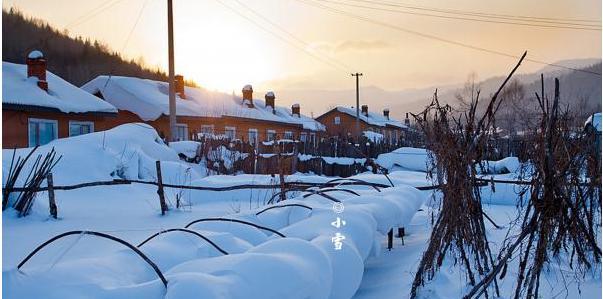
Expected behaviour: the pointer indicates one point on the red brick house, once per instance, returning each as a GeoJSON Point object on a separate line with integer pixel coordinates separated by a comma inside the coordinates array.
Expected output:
{"type": "Point", "coordinates": [200, 111]}
{"type": "Point", "coordinates": [38, 106]}
{"type": "Point", "coordinates": [340, 123]}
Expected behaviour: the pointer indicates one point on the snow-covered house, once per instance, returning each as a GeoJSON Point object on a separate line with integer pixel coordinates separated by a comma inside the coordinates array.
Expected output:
{"type": "Point", "coordinates": [200, 111]}
{"type": "Point", "coordinates": [38, 106]}
{"type": "Point", "coordinates": [341, 123]}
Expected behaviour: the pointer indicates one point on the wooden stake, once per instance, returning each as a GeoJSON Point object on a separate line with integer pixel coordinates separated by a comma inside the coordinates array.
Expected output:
{"type": "Point", "coordinates": [390, 239]}
{"type": "Point", "coordinates": [281, 174]}
{"type": "Point", "coordinates": [160, 192]}
{"type": "Point", "coordinates": [51, 201]}
{"type": "Point", "coordinates": [401, 234]}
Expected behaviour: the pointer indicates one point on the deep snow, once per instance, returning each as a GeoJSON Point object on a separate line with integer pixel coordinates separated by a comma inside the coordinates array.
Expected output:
{"type": "Point", "coordinates": [259, 264]}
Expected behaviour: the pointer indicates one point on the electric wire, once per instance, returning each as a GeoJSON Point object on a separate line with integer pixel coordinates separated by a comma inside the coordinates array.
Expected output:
{"type": "Point", "coordinates": [434, 37]}
{"type": "Point", "coordinates": [281, 28]}
{"type": "Point", "coordinates": [564, 21]}
{"type": "Point", "coordinates": [267, 30]}
{"type": "Point", "coordinates": [572, 26]}
{"type": "Point", "coordinates": [92, 13]}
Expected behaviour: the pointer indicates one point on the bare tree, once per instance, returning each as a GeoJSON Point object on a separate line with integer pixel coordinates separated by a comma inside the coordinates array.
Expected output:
{"type": "Point", "coordinates": [457, 144]}
{"type": "Point", "coordinates": [564, 207]}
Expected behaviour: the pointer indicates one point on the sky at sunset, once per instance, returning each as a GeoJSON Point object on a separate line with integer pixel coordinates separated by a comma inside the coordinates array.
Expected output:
{"type": "Point", "coordinates": [218, 46]}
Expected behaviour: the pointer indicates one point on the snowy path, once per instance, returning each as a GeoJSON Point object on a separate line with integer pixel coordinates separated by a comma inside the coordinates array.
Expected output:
{"type": "Point", "coordinates": [390, 275]}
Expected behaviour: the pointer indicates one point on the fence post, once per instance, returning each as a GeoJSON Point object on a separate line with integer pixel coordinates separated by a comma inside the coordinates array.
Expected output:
{"type": "Point", "coordinates": [160, 192]}
{"type": "Point", "coordinates": [401, 234]}
{"type": "Point", "coordinates": [51, 201]}
{"type": "Point", "coordinates": [281, 174]}
{"type": "Point", "coordinates": [390, 239]}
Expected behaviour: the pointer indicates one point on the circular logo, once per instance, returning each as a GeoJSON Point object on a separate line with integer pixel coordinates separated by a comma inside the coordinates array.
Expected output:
{"type": "Point", "coordinates": [338, 207]}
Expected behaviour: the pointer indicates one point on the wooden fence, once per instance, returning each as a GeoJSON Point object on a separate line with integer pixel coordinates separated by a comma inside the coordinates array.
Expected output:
{"type": "Point", "coordinates": [51, 188]}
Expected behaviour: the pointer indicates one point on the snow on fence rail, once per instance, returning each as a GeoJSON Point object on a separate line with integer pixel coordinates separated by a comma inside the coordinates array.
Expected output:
{"type": "Point", "coordinates": [286, 187]}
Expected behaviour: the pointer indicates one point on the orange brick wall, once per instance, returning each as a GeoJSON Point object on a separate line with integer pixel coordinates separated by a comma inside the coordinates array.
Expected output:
{"type": "Point", "coordinates": [348, 125]}
{"type": "Point", "coordinates": [15, 125]}
{"type": "Point", "coordinates": [194, 125]}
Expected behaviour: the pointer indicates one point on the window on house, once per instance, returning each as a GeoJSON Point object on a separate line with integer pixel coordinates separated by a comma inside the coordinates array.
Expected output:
{"type": "Point", "coordinates": [230, 132]}
{"type": "Point", "coordinates": [253, 136]}
{"type": "Point", "coordinates": [303, 137]}
{"type": "Point", "coordinates": [181, 132]}
{"type": "Point", "coordinates": [288, 135]}
{"type": "Point", "coordinates": [207, 129]}
{"type": "Point", "coordinates": [337, 120]}
{"type": "Point", "coordinates": [270, 135]}
{"type": "Point", "coordinates": [313, 138]}
{"type": "Point", "coordinates": [42, 131]}
{"type": "Point", "coordinates": [77, 128]}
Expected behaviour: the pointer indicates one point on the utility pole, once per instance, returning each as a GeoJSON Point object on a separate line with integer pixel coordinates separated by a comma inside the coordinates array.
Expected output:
{"type": "Point", "coordinates": [172, 90]}
{"type": "Point", "coordinates": [357, 75]}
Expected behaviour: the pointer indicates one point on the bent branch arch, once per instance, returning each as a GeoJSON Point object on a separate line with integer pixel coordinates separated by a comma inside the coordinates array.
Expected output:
{"type": "Point", "coordinates": [284, 206]}
{"type": "Point", "coordinates": [237, 221]}
{"type": "Point", "coordinates": [329, 190]}
{"type": "Point", "coordinates": [356, 182]}
{"type": "Point", "coordinates": [186, 231]}
{"type": "Point", "coordinates": [102, 235]}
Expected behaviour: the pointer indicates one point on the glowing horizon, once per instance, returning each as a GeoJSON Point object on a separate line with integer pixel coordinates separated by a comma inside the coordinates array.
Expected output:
{"type": "Point", "coordinates": [220, 50]}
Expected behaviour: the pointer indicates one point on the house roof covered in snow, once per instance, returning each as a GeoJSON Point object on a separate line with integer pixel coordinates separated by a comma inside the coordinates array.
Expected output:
{"type": "Point", "coordinates": [374, 119]}
{"type": "Point", "coordinates": [149, 100]}
{"type": "Point", "coordinates": [22, 92]}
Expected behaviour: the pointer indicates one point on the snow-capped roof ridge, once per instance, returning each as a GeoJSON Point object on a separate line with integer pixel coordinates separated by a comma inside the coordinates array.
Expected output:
{"type": "Point", "coordinates": [149, 100]}
{"type": "Point", "coordinates": [375, 119]}
{"type": "Point", "coordinates": [18, 89]}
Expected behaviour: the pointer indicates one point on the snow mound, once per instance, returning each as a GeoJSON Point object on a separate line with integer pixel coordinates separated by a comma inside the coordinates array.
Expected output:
{"type": "Point", "coordinates": [186, 148]}
{"type": "Point", "coordinates": [255, 263]}
{"type": "Point", "coordinates": [128, 151]}
{"type": "Point", "coordinates": [506, 165]}
{"type": "Point", "coordinates": [406, 157]}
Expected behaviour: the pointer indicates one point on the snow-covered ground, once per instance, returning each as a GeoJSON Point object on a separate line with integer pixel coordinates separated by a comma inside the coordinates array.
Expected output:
{"type": "Point", "coordinates": [259, 264]}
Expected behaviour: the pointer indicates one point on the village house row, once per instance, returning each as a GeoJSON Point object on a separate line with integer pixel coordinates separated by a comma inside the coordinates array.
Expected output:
{"type": "Point", "coordinates": [38, 107]}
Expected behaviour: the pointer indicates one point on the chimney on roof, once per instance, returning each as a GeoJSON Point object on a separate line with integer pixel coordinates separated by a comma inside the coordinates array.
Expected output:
{"type": "Point", "coordinates": [248, 95]}
{"type": "Point", "coordinates": [179, 85]}
{"type": "Point", "coordinates": [295, 110]}
{"type": "Point", "coordinates": [270, 101]}
{"type": "Point", "coordinates": [386, 113]}
{"type": "Point", "coordinates": [407, 120]}
{"type": "Point", "coordinates": [36, 67]}
{"type": "Point", "coordinates": [364, 110]}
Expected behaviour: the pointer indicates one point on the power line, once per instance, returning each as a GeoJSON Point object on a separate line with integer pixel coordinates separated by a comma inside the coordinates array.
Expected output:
{"type": "Point", "coordinates": [433, 37]}
{"type": "Point", "coordinates": [123, 48]}
{"type": "Point", "coordinates": [483, 14]}
{"type": "Point", "coordinates": [523, 23]}
{"type": "Point", "coordinates": [333, 64]}
{"type": "Point", "coordinates": [92, 13]}
{"type": "Point", "coordinates": [299, 40]}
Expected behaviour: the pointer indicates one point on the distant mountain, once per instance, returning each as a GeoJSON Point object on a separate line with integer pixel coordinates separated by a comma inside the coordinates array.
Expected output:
{"type": "Point", "coordinates": [574, 86]}
{"type": "Point", "coordinates": [76, 60]}
{"type": "Point", "coordinates": [580, 89]}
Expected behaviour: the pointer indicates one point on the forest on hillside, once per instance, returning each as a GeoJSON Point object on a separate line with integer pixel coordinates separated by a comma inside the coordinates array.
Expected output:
{"type": "Point", "coordinates": [77, 60]}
